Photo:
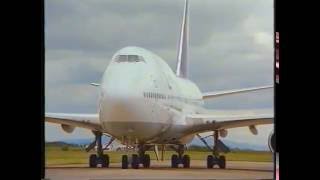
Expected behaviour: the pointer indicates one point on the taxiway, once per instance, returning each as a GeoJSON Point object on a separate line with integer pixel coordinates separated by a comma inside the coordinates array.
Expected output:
{"type": "Point", "coordinates": [162, 170]}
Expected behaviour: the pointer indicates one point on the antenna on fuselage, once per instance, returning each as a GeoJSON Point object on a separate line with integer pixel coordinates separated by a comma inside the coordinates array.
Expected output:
{"type": "Point", "coordinates": [182, 58]}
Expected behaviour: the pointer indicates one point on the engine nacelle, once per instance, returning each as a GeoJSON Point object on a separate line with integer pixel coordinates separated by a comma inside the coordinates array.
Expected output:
{"type": "Point", "coordinates": [272, 142]}
{"type": "Point", "coordinates": [67, 128]}
{"type": "Point", "coordinates": [223, 133]}
{"type": "Point", "coordinates": [253, 130]}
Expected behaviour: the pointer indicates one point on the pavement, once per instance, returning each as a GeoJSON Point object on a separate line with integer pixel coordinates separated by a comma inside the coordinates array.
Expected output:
{"type": "Point", "coordinates": [162, 170]}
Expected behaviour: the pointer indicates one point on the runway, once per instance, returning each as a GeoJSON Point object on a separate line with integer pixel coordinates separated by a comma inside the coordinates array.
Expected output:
{"type": "Point", "coordinates": [162, 170]}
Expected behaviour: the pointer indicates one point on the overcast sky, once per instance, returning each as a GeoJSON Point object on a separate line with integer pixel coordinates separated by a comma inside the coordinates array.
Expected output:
{"type": "Point", "coordinates": [231, 46]}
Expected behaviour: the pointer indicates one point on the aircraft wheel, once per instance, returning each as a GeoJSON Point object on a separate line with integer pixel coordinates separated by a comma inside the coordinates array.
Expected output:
{"type": "Point", "coordinates": [93, 160]}
{"type": "Point", "coordinates": [174, 161]}
{"type": "Point", "coordinates": [210, 162]}
{"type": "Point", "coordinates": [146, 161]}
{"type": "Point", "coordinates": [105, 161]}
{"type": "Point", "coordinates": [124, 162]}
{"type": "Point", "coordinates": [222, 162]}
{"type": "Point", "coordinates": [135, 161]}
{"type": "Point", "coordinates": [186, 161]}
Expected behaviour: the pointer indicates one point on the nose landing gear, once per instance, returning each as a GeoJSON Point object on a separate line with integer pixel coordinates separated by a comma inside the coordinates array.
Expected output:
{"type": "Point", "coordinates": [137, 159]}
{"type": "Point", "coordinates": [180, 158]}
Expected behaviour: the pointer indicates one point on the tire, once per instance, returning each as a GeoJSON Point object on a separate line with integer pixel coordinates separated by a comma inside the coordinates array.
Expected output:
{"type": "Point", "coordinates": [135, 161]}
{"type": "Point", "coordinates": [124, 162]}
{"type": "Point", "coordinates": [222, 162]}
{"type": "Point", "coordinates": [186, 161]}
{"type": "Point", "coordinates": [210, 162]}
{"type": "Point", "coordinates": [93, 161]}
{"type": "Point", "coordinates": [105, 160]}
{"type": "Point", "coordinates": [146, 161]}
{"type": "Point", "coordinates": [174, 161]}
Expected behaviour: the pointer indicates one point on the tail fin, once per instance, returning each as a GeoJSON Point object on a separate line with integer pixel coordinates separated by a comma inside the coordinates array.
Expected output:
{"type": "Point", "coordinates": [182, 58]}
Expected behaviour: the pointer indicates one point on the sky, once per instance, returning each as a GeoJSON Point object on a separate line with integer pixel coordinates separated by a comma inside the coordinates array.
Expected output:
{"type": "Point", "coordinates": [231, 46]}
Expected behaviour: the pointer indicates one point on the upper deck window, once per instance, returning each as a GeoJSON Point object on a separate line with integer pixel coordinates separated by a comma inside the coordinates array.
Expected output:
{"type": "Point", "coordinates": [129, 58]}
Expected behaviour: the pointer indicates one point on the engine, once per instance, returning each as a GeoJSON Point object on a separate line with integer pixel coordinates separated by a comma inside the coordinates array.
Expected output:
{"type": "Point", "coordinates": [253, 130]}
{"type": "Point", "coordinates": [272, 142]}
{"type": "Point", "coordinates": [67, 128]}
{"type": "Point", "coordinates": [223, 133]}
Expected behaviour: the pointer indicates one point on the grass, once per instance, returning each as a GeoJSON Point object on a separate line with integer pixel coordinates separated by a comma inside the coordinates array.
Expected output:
{"type": "Point", "coordinates": [75, 155]}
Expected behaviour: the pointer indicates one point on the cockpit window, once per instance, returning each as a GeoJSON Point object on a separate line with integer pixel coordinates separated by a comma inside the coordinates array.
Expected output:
{"type": "Point", "coordinates": [129, 58]}
{"type": "Point", "coordinates": [121, 58]}
{"type": "Point", "coordinates": [133, 58]}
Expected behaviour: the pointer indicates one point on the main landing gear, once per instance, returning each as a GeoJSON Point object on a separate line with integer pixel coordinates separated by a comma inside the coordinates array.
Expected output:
{"type": "Point", "coordinates": [180, 158]}
{"type": "Point", "coordinates": [216, 159]}
{"type": "Point", "coordinates": [99, 158]}
{"type": "Point", "coordinates": [137, 159]}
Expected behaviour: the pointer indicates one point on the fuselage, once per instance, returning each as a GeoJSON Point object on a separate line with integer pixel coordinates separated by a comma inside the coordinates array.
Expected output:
{"type": "Point", "coordinates": [143, 101]}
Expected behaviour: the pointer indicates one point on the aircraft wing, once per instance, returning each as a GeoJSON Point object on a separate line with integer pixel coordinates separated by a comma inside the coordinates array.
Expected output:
{"type": "Point", "coordinates": [87, 121]}
{"type": "Point", "coordinates": [208, 95]}
{"type": "Point", "coordinates": [204, 123]}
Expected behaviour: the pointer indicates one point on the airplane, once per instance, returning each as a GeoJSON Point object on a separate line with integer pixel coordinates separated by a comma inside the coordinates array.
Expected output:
{"type": "Point", "coordinates": [143, 103]}
{"type": "Point", "coordinates": [110, 147]}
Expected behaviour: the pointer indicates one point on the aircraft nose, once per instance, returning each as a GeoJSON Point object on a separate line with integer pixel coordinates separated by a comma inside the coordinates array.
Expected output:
{"type": "Point", "coordinates": [115, 102]}
{"type": "Point", "coordinates": [123, 105]}
{"type": "Point", "coordinates": [119, 101]}
{"type": "Point", "coordinates": [121, 92]}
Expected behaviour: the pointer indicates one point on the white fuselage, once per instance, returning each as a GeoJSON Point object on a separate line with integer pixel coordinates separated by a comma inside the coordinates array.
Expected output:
{"type": "Point", "coordinates": [144, 101]}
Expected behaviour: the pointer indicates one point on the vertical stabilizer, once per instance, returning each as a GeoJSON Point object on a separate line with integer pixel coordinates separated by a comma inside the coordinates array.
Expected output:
{"type": "Point", "coordinates": [182, 58]}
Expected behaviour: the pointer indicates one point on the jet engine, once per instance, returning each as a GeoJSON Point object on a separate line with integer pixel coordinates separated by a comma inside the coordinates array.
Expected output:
{"type": "Point", "coordinates": [67, 128]}
{"type": "Point", "coordinates": [272, 142]}
{"type": "Point", "coordinates": [223, 133]}
{"type": "Point", "coordinates": [253, 130]}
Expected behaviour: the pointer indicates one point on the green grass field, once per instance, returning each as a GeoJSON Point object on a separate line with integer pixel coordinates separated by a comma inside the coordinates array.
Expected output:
{"type": "Point", "coordinates": [56, 156]}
